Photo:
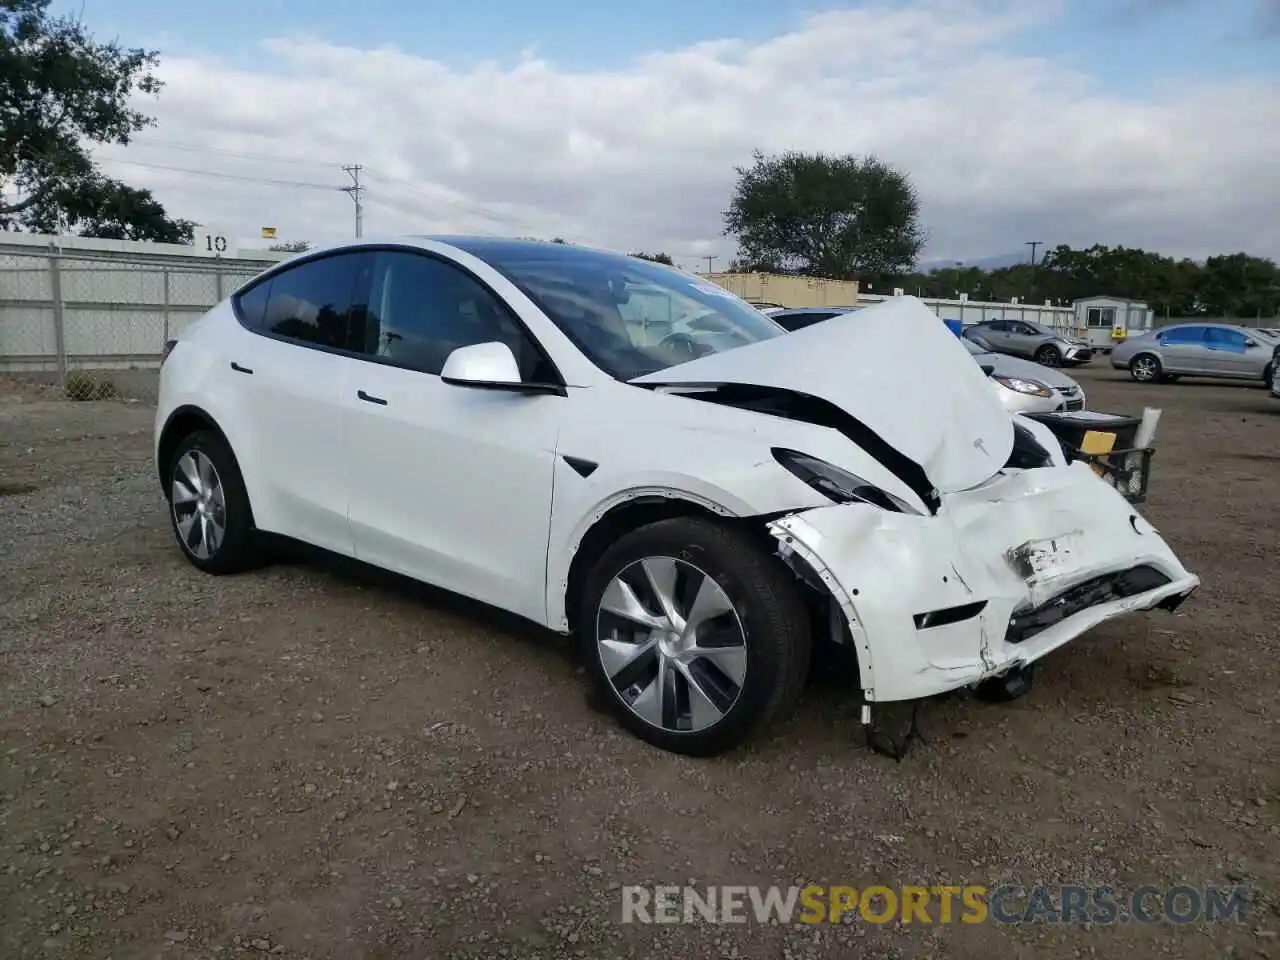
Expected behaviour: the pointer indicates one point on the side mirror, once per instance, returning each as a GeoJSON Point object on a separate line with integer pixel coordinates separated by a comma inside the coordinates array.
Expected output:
{"type": "Point", "coordinates": [490, 366]}
{"type": "Point", "coordinates": [1250, 342]}
{"type": "Point", "coordinates": [988, 369]}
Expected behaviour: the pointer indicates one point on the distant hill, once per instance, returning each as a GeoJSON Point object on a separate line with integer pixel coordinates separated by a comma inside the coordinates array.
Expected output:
{"type": "Point", "coordinates": [986, 263]}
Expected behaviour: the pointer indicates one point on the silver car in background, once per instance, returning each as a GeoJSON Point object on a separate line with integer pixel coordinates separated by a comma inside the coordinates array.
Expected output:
{"type": "Point", "coordinates": [1026, 387]}
{"type": "Point", "coordinates": [1034, 341]}
{"type": "Point", "coordinates": [1198, 350]}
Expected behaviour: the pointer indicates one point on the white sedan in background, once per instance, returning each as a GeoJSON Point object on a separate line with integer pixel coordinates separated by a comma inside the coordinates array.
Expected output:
{"type": "Point", "coordinates": [1025, 386]}
{"type": "Point", "coordinates": [474, 413]}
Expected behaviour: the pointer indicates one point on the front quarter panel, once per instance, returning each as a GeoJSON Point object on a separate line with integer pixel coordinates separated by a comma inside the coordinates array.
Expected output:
{"type": "Point", "coordinates": [642, 443]}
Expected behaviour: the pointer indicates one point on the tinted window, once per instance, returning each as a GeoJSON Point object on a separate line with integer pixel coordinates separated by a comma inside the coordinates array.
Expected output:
{"type": "Point", "coordinates": [313, 301]}
{"type": "Point", "coordinates": [422, 309]}
{"type": "Point", "coordinates": [1183, 335]}
{"type": "Point", "coordinates": [252, 305]}
{"type": "Point", "coordinates": [798, 321]}
{"type": "Point", "coordinates": [1218, 337]}
{"type": "Point", "coordinates": [587, 293]}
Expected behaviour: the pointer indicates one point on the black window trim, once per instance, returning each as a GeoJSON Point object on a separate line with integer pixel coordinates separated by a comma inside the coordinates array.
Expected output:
{"type": "Point", "coordinates": [555, 386]}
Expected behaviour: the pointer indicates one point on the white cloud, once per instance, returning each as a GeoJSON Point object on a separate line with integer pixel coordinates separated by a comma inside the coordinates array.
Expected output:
{"type": "Point", "coordinates": [1003, 146]}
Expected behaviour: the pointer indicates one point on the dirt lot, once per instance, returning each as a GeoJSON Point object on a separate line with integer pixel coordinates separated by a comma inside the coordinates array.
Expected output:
{"type": "Point", "coordinates": [317, 761]}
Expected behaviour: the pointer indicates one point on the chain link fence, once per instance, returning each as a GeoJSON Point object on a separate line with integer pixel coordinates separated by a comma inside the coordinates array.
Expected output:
{"type": "Point", "coordinates": [91, 325]}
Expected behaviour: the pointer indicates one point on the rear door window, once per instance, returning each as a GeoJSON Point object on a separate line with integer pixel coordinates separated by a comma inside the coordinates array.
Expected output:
{"type": "Point", "coordinates": [318, 302]}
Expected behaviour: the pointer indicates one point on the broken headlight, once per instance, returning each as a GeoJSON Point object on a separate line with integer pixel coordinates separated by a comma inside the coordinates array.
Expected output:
{"type": "Point", "coordinates": [839, 485]}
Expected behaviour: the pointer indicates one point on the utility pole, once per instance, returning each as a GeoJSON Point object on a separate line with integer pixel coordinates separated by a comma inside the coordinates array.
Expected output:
{"type": "Point", "coordinates": [709, 259]}
{"type": "Point", "coordinates": [356, 191]}
{"type": "Point", "coordinates": [1033, 244]}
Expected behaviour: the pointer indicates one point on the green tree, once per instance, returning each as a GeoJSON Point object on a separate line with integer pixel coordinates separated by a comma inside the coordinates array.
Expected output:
{"type": "Point", "coordinates": [655, 258]}
{"type": "Point", "coordinates": [97, 206]}
{"type": "Point", "coordinates": [291, 246]}
{"type": "Point", "coordinates": [60, 91]}
{"type": "Point", "coordinates": [1238, 285]}
{"type": "Point", "coordinates": [841, 217]}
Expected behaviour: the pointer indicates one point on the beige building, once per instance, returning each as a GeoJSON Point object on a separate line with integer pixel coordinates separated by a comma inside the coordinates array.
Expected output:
{"type": "Point", "coordinates": [787, 291]}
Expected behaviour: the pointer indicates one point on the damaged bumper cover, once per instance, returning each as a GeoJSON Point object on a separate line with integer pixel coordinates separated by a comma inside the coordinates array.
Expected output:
{"type": "Point", "coordinates": [1001, 576]}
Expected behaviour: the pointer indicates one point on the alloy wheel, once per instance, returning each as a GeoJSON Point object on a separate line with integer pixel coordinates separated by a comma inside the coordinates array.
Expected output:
{"type": "Point", "coordinates": [199, 505]}
{"type": "Point", "coordinates": [672, 644]}
{"type": "Point", "coordinates": [1144, 368]}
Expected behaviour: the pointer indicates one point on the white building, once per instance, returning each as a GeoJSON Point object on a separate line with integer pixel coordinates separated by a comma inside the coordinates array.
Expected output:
{"type": "Point", "coordinates": [1108, 320]}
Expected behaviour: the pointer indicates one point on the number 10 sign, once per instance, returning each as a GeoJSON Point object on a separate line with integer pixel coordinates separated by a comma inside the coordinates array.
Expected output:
{"type": "Point", "coordinates": [214, 242]}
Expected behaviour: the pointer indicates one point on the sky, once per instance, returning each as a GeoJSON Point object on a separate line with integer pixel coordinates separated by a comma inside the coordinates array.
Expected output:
{"type": "Point", "coordinates": [1152, 123]}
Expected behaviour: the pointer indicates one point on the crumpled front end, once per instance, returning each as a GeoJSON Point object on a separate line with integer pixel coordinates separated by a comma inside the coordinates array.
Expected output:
{"type": "Point", "coordinates": [1001, 576]}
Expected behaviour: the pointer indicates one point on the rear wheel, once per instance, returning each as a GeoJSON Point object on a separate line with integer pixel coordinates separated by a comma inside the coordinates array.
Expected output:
{"type": "Point", "coordinates": [1145, 368]}
{"type": "Point", "coordinates": [208, 505]}
{"type": "Point", "coordinates": [694, 635]}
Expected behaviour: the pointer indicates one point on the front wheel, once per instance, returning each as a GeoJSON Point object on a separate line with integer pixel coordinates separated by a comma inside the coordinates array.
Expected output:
{"type": "Point", "coordinates": [694, 635]}
{"type": "Point", "coordinates": [1049, 356]}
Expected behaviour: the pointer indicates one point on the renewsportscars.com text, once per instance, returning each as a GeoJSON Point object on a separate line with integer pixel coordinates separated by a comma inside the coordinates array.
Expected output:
{"type": "Point", "coordinates": [969, 904]}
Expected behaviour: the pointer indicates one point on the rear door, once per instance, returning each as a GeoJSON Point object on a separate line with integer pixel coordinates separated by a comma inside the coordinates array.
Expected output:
{"type": "Point", "coordinates": [994, 334]}
{"type": "Point", "coordinates": [1183, 350]}
{"type": "Point", "coordinates": [292, 376]}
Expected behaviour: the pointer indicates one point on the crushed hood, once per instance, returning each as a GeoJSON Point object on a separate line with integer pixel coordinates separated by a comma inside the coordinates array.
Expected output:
{"type": "Point", "coordinates": [896, 369]}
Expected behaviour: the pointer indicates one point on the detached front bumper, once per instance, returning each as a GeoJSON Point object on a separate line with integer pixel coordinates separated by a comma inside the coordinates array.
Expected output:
{"type": "Point", "coordinates": [1002, 576]}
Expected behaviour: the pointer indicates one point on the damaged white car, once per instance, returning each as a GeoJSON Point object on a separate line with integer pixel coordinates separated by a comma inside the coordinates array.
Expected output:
{"type": "Point", "coordinates": [700, 509]}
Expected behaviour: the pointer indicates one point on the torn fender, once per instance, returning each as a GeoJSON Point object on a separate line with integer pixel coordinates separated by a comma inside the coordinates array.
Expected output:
{"type": "Point", "coordinates": [1001, 576]}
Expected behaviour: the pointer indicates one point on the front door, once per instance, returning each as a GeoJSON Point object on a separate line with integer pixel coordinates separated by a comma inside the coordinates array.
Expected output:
{"type": "Point", "coordinates": [452, 484]}
{"type": "Point", "coordinates": [1229, 354]}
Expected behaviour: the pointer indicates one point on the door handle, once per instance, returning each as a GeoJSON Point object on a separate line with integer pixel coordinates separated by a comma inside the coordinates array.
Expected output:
{"type": "Point", "coordinates": [239, 369]}
{"type": "Point", "coordinates": [370, 398]}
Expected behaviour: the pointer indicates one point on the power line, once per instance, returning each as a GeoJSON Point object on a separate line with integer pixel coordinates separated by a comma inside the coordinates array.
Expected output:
{"type": "Point", "coordinates": [246, 155]}
{"type": "Point", "coordinates": [220, 175]}
{"type": "Point", "coordinates": [476, 209]}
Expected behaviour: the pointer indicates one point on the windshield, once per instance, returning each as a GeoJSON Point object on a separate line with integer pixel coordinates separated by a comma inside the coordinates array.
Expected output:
{"type": "Point", "coordinates": [629, 316]}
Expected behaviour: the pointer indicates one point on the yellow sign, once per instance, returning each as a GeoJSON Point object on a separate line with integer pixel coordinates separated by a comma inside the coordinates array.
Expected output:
{"type": "Point", "coordinates": [1119, 333]}
{"type": "Point", "coordinates": [268, 233]}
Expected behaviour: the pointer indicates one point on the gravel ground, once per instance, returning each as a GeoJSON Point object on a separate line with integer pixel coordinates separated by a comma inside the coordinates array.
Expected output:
{"type": "Point", "coordinates": [320, 761]}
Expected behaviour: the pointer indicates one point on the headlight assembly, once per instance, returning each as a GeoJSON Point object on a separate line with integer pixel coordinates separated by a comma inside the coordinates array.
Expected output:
{"type": "Point", "coordinates": [839, 485]}
{"type": "Point", "coordinates": [1032, 388]}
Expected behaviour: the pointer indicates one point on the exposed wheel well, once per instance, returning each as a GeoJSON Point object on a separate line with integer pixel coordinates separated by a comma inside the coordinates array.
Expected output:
{"type": "Point", "coordinates": [181, 423]}
{"type": "Point", "coordinates": [621, 520]}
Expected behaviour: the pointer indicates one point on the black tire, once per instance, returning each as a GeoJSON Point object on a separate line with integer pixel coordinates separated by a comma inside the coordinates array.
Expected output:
{"type": "Point", "coordinates": [1049, 356]}
{"type": "Point", "coordinates": [237, 549]}
{"type": "Point", "coordinates": [1009, 687]}
{"type": "Point", "coordinates": [769, 608]}
{"type": "Point", "coordinates": [1146, 368]}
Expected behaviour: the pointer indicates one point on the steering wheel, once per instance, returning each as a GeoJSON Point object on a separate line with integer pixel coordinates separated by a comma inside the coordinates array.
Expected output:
{"type": "Point", "coordinates": [681, 343]}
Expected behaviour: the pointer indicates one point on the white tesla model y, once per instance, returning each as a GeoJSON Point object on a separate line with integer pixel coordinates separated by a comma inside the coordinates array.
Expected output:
{"type": "Point", "coordinates": [622, 451]}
